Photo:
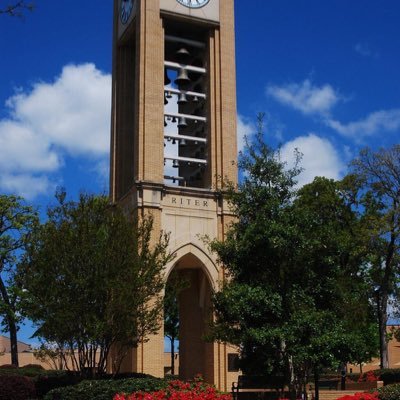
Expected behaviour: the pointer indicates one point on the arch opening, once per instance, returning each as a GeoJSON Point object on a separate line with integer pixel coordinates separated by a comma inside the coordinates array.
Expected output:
{"type": "Point", "coordinates": [190, 289]}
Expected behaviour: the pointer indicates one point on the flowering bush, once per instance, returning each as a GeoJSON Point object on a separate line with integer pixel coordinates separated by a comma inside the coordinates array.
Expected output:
{"type": "Point", "coordinates": [368, 377]}
{"type": "Point", "coordinates": [360, 396]}
{"type": "Point", "coordinates": [178, 390]}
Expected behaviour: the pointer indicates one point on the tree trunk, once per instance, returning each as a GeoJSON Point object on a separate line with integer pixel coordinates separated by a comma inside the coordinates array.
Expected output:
{"type": "Point", "coordinates": [316, 383]}
{"type": "Point", "coordinates": [12, 326]}
{"type": "Point", "coordinates": [292, 381]}
{"type": "Point", "coordinates": [13, 342]}
{"type": "Point", "coordinates": [383, 294]}
{"type": "Point", "coordinates": [382, 318]}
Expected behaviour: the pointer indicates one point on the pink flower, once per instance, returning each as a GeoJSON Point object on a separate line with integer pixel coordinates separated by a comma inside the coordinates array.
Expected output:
{"type": "Point", "coordinates": [178, 390]}
{"type": "Point", "coordinates": [360, 396]}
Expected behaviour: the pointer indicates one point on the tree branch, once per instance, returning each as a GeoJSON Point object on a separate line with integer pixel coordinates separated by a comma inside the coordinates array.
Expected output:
{"type": "Point", "coordinates": [16, 9]}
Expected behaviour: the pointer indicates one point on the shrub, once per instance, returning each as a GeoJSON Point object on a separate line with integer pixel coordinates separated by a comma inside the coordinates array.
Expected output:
{"type": "Point", "coordinates": [127, 375]}
{"type": "Point", "coordinates": [46, 382]}
{"type": "Point", "coordinates": [389, 376]}
{"type": "Point", "coordinates": [353, 377]}
{"type": "Point", "coordinates": [390, 392]}
{"type": "Point", "coordinates": [106, 389]}
{"type": "Point", "coordinates": [8, 366]}
{"type": "Point", "coordinates": [33, 366]}
{"type": "Point", "coordinates": [16, 388]}
{"type": "Point", "coordinates": [370, 376]}
{"type": "Point", "coordinates": [29, 372]}
{"type": "Point", "coordinates": [43, 380]}
{"type": "Point", "coordinates": [179, 390]}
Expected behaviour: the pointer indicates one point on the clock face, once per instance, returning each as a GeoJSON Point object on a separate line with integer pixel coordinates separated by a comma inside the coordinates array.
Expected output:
{"type": "Point", "coordinates": [193, 3]}
{"type": "Point", "coordinates": [125, 10]}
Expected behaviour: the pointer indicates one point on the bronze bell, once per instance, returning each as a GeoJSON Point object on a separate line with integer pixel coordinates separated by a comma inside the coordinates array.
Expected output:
{"type": "Point", "coordinates": [182, 98]}
{"type": "Point", "coordinates": [182, 54]}
{"type": "Point", "coordinates": [182, 122]}
{"type": "Point", "coordinates": [183, 77]}
{"type": "Point", "coordinates": [175, 164]}
{"type": "Point", "coordinates": [182, 142]}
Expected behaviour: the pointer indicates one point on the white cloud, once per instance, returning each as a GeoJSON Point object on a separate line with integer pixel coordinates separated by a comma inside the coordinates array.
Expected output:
{"type": "Point", "coordinates": [244, 129]}
{"type": "Point", "coordinates": [320, 158]}
{"type": "Point", "coordinates": [22, 149]}
{"type": "Point", "coordinates": [68, 116]}
{"type": "Point", "coordinates": [306, 97]}
{"type": "Point", "coordinates": [320, 100]}
{"type": "Point", "coordinates": [73, 112]}
{"type": "Point", "coordinates": [363, 49]}
{"type": "Point", "coordinates": [376, 123]}
{"type": "Point", "coordinates": [26, 185]}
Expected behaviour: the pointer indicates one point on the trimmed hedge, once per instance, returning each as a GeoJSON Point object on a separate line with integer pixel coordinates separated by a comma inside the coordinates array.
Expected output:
{"type": "Point", "coordinates": [390, 392]}
{"type": "Point", "coordinates": [389, 376]}
{"type": "Point", "coordinates": [33, 366]}
{"type": "Point", "coordinates": [30, 372]}
{"type": "Point", "coordinates": [43, 380]}
{"type": "Point", "coordinates": [106, 389]}
{"type": "Point", "coordinates": [16, 388]}
{"type": "Point", "coordinates": [8, 366]}
{"type": "Point", "coordinates": [46, 382]}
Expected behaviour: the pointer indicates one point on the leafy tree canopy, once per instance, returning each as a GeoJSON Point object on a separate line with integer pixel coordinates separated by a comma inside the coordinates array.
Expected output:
{"type": "Point", "coordinates": [295, 260]}
{"type": "Point", "coordinates": [16, 222]}
{"type": "Point", "coordinates": [92, 278]}
{"type": "Point", "coordinates": [375, 183]}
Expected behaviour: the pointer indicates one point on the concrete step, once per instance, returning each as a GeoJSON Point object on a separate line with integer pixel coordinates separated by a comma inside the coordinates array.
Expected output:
{"type": "Point", "coordinates": [334, 394]}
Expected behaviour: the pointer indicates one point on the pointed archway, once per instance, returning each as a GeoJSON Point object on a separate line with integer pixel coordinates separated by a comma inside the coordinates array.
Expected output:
{"type": "Point", "coordinates": [196, 355]}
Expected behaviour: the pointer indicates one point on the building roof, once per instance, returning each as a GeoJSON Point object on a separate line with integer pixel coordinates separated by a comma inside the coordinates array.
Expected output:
{"type": "Point", "coordinates": [6, 348]}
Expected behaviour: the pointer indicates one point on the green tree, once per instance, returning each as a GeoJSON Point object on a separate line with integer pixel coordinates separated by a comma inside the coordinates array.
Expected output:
{"type": "Point", "coordinates": [334, 258]}
{"type": "Point", "coordinates": [288, 255]}
{"type": "Point", "coordinates": [257, 252]}
{"type": "Point", "coordinates": [93, 280]}
{"type": "Point", "coordinates": [376, 181]}
{"type": "Point", "coordinates": [16, 223]}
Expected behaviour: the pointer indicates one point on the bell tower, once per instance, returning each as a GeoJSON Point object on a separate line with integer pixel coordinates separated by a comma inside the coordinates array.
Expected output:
{"type": "Point", "coordinates": [173, 141]}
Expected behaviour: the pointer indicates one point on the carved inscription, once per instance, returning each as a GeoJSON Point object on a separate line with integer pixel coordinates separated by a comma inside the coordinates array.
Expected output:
{"type": "Point", "coordinates": [188, 202]}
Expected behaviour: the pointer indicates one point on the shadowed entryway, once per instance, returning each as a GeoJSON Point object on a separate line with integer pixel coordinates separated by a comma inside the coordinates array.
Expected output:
{"type": "Point", "coordinates": [196, 356]}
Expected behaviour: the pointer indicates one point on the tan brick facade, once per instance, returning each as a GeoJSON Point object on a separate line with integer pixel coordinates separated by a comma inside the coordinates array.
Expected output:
{"type": "Point", "coordinates": [137, 168]}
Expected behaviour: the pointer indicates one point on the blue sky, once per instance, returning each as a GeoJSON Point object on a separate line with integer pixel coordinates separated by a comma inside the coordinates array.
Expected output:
{"type": "Point", "coordinates": [326, 73]}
